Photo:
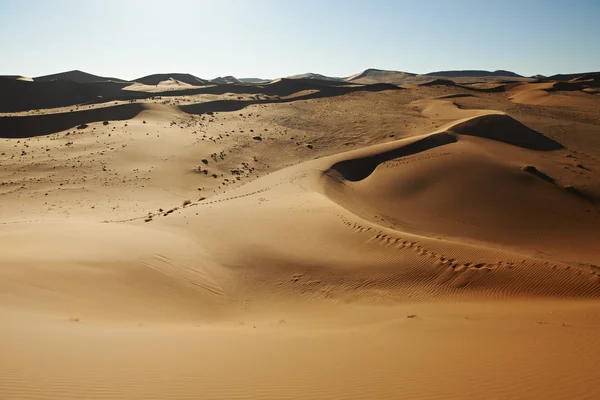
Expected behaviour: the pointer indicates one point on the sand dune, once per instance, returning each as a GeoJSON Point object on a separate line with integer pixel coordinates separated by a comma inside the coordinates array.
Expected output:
{"type": "Point", "coordinates": [569, 77]}
{"type": "Point", "coordinates": [505, 129]}
{"type": "Point", "coordinates": [476, 74]}
{"type": "Point", "coordinates": [541, 93]}
{"type": "Point", "coordinates": [101, 262]}
{"type": "Point", "coordinates": [443, 109]}
{"type": "Point", "coordinates": [372, 75]}
{"type": "Point", "coordinates": [223, 80]}
{"type": "Point", "coordinates": [303, 238]}
{"type": "Point", "coordinates": [155, 79]}
{"type": "Point", "coordinates": [590, 80]}
{"type": "Point", "coordinates": [18, 95]}
{"type": "Point", "coordinates": [22, 96]}
{"type": "Point", "coordinates": [406, 201]}
{"type": "Point", "coordinates": [439, 82]}
{"type": "Point", "coordinates": [36, 125]}
{"type": "Point", "coordinates": [312, 75]}
{"type": "Point", "coordinates": [75, 76]}
{"type": "Point", "coordinates": [463, 77]}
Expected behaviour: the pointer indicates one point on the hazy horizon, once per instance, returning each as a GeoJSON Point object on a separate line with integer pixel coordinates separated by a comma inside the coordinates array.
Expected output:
{"type": "Point", "coordinates": [269, 39]}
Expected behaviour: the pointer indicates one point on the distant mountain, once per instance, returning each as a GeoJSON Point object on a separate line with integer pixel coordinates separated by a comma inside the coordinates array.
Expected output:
{"type": "Point", "coordinates": [254, 80]}
{"type": "Point", "coordinates": [373, 75]}
{"type": "Point", "coordinates": [224, 80]}
{"type": "Point", "coordinates": [311, 75]}
{"type": "Point", "coordinates": [155, 79]}
{"type": "Point", "coordinates": [75, 76]}
{"type": "Point", "coordinates": [474, 73]}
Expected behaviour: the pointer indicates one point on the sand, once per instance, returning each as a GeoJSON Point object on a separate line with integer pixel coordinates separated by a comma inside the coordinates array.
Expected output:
{"type": "Point", "coordinates": [303, 239]}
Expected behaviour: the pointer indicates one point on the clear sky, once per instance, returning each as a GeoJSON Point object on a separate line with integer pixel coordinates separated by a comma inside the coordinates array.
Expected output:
{"type": "Point", "coordinates": [272, 38]}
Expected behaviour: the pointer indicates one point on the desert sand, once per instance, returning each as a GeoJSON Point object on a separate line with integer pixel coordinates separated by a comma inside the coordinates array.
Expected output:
{"type": "Point", "coordinates": [304, 238]}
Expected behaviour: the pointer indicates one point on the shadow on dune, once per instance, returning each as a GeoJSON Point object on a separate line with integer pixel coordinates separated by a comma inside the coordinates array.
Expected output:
{"type": "Point", "coordinates": [500, 88]}
{"type": "Point", "coordinates": [16, 96]}
{"type": "Point", "coordinates": [574, 77]}
{"type": "Point", "coordinates": [155, 79]}
{"type": "Point", "coordinates": [468, 86]}
{"type": "Point", "coordinates": [358, 169]}
{"type": "Point", "coordinates": [282, 87]}
{"type": "Point", "coordinates": [287, 87]}
{"type": "Point", "coordinates": [566, 87]}
{"type": "Point", "coordinates": [234, 105]}
{"type": "Point", "coordinates": [455, 96]}
{"type": "Point", "coordinates": [497, 127]}
{"type": "Point", "coordinates": [37, 125]}
{"type": "Point", "coordinates": [502, 128]}
{"type": "Point", "coordinates": [572, 190]}
{"type": "Point", "coordinates": [538, 174]}
{"type": "Point", "coordinates": [583, 194]}
{"type": "Point", "coordinates": [439, 82]}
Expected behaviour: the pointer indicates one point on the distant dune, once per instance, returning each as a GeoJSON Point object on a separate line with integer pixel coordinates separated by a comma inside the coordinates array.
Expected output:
{"type": "Point", "coordinates": [223, 80]}
{"type": "Point", "coordinates": [400, 78]}
{"type": "Point", "coordinates": [254, 80]}
{"type": "Point", "coordinates": [439, 82]}
{"type": "Point", "coordinates": [75, 76]}
{"type": "Point", "coordinates": [474, 74]}
{"type": "Point", "coordinates": [155, 79]}
{"type": "Point", "coordinates": [308, 82]}
{"type": "Point", "coordinates": [311, 75]}
{"type": "Point", "coordinates": [59, 90]}
{"type": "Point", "coordinates": [18, 95]}
{"type": "Point", "coordinates": [381, 76]}
{"type": "Point", "coordinates": [578, 76]}
{"type": "Point", "coordinates": [591, 80]}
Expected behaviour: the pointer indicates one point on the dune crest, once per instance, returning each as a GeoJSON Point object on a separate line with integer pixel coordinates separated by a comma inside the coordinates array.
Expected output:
{"type": "Point", "coordinates": [503, 128]}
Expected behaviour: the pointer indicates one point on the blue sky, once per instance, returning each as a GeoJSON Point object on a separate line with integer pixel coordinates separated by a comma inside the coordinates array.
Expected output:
{"type": "Point", "coordinates": [267, 38]}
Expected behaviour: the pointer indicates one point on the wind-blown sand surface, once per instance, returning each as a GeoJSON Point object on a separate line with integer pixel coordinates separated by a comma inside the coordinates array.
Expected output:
{"type": "Point", "coordinates": [304, 240]}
